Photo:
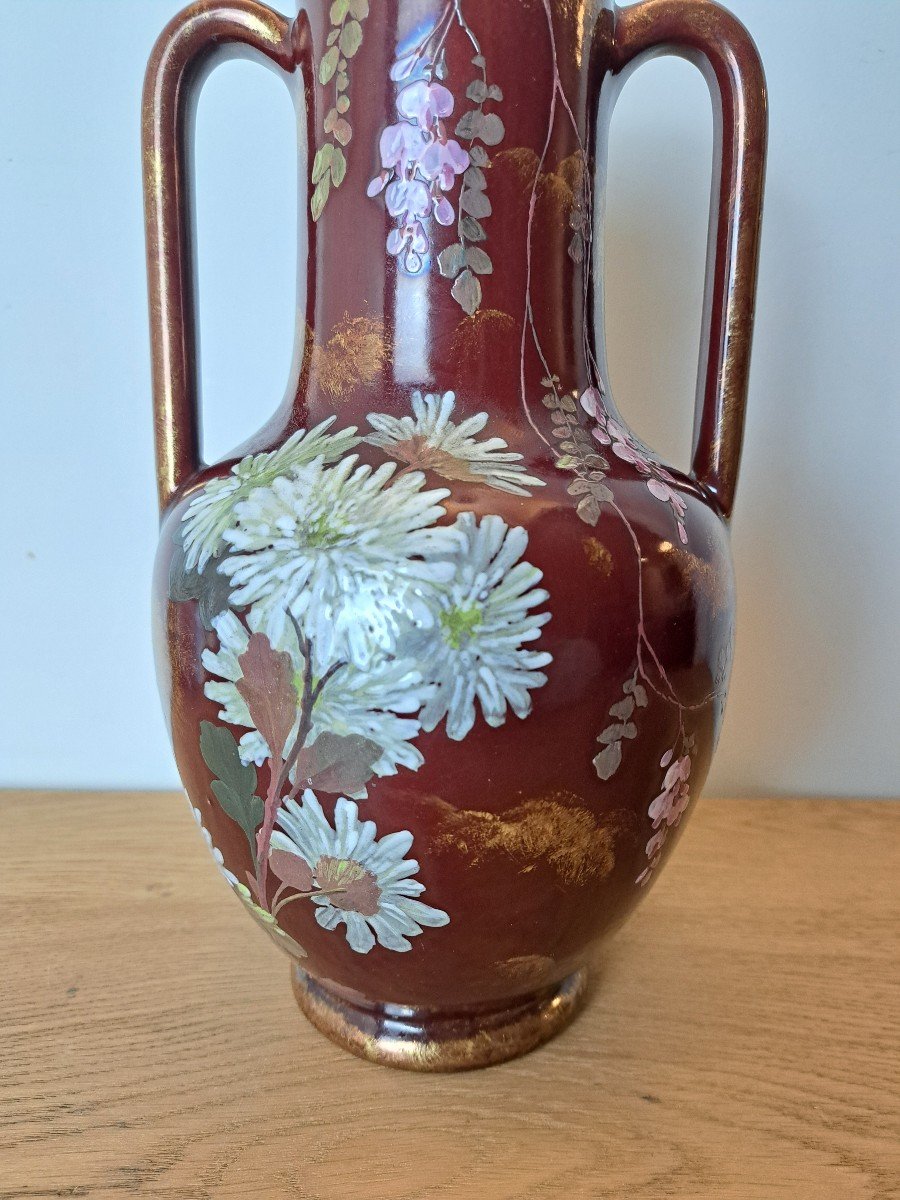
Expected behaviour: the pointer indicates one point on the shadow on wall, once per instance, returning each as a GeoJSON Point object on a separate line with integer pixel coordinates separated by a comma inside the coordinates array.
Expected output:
{"type": "Point", "coordinates": [793, 629]}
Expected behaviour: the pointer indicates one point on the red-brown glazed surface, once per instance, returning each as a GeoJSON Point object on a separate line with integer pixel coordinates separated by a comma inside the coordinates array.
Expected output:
{"type": "Point", "coordinates": [530, 853]}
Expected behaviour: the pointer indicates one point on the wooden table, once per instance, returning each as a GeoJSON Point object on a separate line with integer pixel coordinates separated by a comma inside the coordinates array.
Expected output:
{"type": "Point", "coordinates": [741, 1040]}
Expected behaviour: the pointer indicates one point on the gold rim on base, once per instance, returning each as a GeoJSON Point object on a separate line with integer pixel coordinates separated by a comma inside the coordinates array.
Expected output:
{"type": "Point", "coordinates": [425, 1040]}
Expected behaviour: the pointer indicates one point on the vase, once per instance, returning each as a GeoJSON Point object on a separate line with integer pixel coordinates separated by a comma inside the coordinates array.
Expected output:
{"type": "Point", "coordinates": [444, 647]}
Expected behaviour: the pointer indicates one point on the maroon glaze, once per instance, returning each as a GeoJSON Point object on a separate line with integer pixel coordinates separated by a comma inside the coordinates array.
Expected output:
{"type": "Point", "coordinates": [519, 840]}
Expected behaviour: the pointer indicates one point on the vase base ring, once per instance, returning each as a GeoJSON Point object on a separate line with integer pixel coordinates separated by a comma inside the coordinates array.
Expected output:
{"type": "Point", "coordinates": [429, 1040]}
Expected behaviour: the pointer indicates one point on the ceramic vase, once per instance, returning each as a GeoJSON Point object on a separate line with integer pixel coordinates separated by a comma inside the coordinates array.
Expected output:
{"type": "Point", "coordinates": [444, 647]}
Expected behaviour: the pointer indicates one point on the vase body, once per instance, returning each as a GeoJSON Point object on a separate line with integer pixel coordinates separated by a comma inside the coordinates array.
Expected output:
{"type": "Point", "coordinates": [444, 648]}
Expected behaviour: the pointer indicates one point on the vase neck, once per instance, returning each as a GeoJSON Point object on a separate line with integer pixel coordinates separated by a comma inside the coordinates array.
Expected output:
{"type": "Point", "coordinates": [450, 203]}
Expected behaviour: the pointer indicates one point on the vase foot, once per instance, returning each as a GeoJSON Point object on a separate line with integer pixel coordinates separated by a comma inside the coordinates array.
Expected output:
{"type": "Point", "coordinates": [429, 1040]}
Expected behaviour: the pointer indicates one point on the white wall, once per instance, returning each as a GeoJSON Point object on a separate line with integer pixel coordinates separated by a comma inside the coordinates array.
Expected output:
{"type": "Point", "coordinates": [814, 699]}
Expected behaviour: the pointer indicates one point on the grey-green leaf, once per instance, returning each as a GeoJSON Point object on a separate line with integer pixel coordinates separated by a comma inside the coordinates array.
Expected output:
{"type": "Point", "coordinates": [452, 260]}
{"type": "Point", "coordinates": [476, 204]}
{"type": "Point", "coordinates": [319, 196]}
{"type": "Point", "coordinates": [479, 156]}
{"type": "Point", "coordinates": [607, 761]}
{"type": "Point", "coordinates": [473, 177]}
{"type": "Point", "coordinates": [471, 230]}
{"type": "Point", "coordinates": [492, 130]}
{"type": "Point", "coordinates": [479, 261]}
{"type": "Point", "coordinates": [469, 124]}
{"type": "Point", "coordinates": [338, 166]}
{"type": "Point", "coordinates": [477, 91]}
{"type": "Point", "coordinates": [234, 785]}
{"type": "Point", "coordinates": [466, 291]}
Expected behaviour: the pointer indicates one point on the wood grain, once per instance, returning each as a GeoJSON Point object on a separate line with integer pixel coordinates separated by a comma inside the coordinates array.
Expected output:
{"type": "Point", "coordinates": [741, 1040]}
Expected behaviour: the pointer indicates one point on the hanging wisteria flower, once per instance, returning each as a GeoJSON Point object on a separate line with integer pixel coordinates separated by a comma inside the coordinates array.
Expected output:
{"type": "Point", "coordinates": [343, 552]}
{"type": "Point", "coordinates": [282, 940]}
{"type": "Point", "coordinates": [667, 809]}
{"type": "Point", "coordinates": [365, 883]}
{"type": "Point", "coordinates": [419, 163]}
{"type": "Point", "coordinates": [210, 512]}
{"type": "Point", "coordinates": [473, 647]}
{"type": "Point", "coordinates": [624, 445]}
{"type": "Point", "coordinates": [431, 441]}
{"type": "Point", "coordinates": [351, 702]}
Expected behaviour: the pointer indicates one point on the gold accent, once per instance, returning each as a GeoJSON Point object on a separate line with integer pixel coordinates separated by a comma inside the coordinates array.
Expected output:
{"type": "Point", "coordinates": [703, 577]}
{"type": "Point", "coordinates": [556, 829]}
{"type": "Point", "coordinates": [531, 969]}
{"type": "Point", "coordinates": [355, 354]}
{"type": "Point", "coordinates": [474, 337]}
{"type": "Point", "coordinates": [427, 1040]}
{"type": "Point", "coordinates": [598, 556]}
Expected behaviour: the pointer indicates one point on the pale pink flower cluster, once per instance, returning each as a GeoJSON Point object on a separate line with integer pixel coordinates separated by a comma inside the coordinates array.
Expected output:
{"type": "Point", "coordinates": [610, 433]}
{"type": "Point", "coordinates": [668, 808]}
{"type": "Point", "coordinates": [419, 164]}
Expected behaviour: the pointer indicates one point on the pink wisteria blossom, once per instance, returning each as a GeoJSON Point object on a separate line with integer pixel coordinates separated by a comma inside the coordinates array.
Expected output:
{"type": "Point", "coordinates": [667, 809]}
{"type": "Point", "coordinates": [660, 483]}
{"type": "Point", "coordinates": [419, 163]}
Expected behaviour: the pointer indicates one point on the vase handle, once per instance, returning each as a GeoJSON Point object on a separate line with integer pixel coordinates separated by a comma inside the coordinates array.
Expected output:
{"type": "Point", "coordinates": [721, 47]}
{"type": "Point", "coordinates": [193, 41]}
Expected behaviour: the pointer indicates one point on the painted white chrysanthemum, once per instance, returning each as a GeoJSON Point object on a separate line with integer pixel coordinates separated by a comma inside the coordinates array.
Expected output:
{"type": "Point", "coordinates": [429, 440]}
{"type": "Point", "coordinates": [472, 648]}
{"type": "Point", "coordinates": [282, 940]}
{"type": "Point", "coordinates": [369, 882]}
{"type": "Point", "coordinates": [211, 511]}
{"type": "Point", "coordinates": [351, 701]}
{"type": "Point", "coordinates": [345, 550]}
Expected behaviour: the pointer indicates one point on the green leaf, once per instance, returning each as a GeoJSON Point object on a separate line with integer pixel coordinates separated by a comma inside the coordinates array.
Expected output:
{"type": "Point", "coordinates": [234, 785]}
{"type": "Point", "coordinates": [330, 121]}
{"type": "Point", "coordinates": [342, 103]}
{"type": "Point", "coordinates": [338, 11]}
{"type": "Point", "coordinates": [342, 130]}
{"type": "Point", "coordinates": [328, 65]}
{"type": "Point", "coordinates": [351, 38]}
{"type": "Point", "coordinates": [471, 230]}
{"type": "Point", "coordinates": [319, 196]}
{"type": "Point", "coordinates": [466, 291]}
{"type": "Point", "coordinates": [332, 37]}
{"type": "Point", "coordinates": [322, 161]}
{"type": "Point", "coordinates": [492, 130]}
{"type": "Point", "coordinates": [342, 82]}
{"type": "Point", "coordinates": [479, 156]}
{"type": "Point", "coordinates": [479, 261]}
{"type": "Point", "coordinates": [359, 9]}
{"type": "Point", "coordinates": [474, 177]}
{"type": "Point", "coordinates": [566, 462]}
{"type": "Point", "coordinates": [452, 260]}
{"type": "Point", "coordinates": [475, 203]}
{"type": "Point", "coordinates": [589, 509]}
{"type": "Point", "coordinates": [477, 91]}
{"type": "Point", "coordinates": [338, 167]}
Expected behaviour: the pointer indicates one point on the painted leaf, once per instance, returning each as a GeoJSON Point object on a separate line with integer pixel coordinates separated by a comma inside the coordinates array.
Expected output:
{"type": "Point", "coordinates": [469, 125]}
{"type": "Point", "coordinates": [479, 261]}
{"type": "Point", "coordinates": [623, 710]}
{"type": "Point", "coordinates": [338, 11]}
{"type": "Point", "coordinates": [268, 690]}
{"type": "Point", "coordinates": [479, 156]}
{"type": "Point", "coordinates": [330, 120]}
{"type": "Point", "coordinates": [332, 37]}
{"type": "Point", "coordinates": [342, 103]}
{"type": "Point", "coordinates": [640, 695]}
{"type": "Point", "coordinates": [342, 82]}
{"type": "Point", "coordinates": [342, 130]}
{"type": "Point", "coordinates": [351, 38]}
{"type": "Point", "coordinates": [494, 92]}
{"type": "Point", "coordinates": [292, 870]}
{"type": "Point", "coordinates": [589, 509]}
{"type": "Point", "coordinates": [358, 9]}
{"type": "Point", "coordinates": [474, 177]}
{"type": "Point", "coordinates": [328, 65]}
{"type": "Point", "coordinates": [338, 167]}
{"type": "Point", "coordinates": [234, 785]}
{"type": "Point", "coordinates": [607, 761]}
{"type": "Point", "coordinates": [479, 62]}
{"type": "Point", "coordinates": [477, 91]}
{"type": "Point", "coordinates": [492, 130]}
{"type": "Point", "coordinates": [615, 733]}
{"type": "Point", "coordinates": [475, 203]}
{"type": "Point", "coordinates": [471, 230]}
{"type": "Point", "coordinates": [319, 196]}
{"type": "Point", "coordinates": [451, 260]}
{"type": "Point", "coordinates": [466, 291]}
{"type": "Point", "coordinates": [322, 161]}
{"type": "Point", "coordinates": [338, 764]}
{"type": "Point", "coordinates": [211, 590]}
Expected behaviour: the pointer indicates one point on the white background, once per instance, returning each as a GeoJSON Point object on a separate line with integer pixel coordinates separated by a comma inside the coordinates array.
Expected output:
{"type": "Point", "coordinates": [814, 705]}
